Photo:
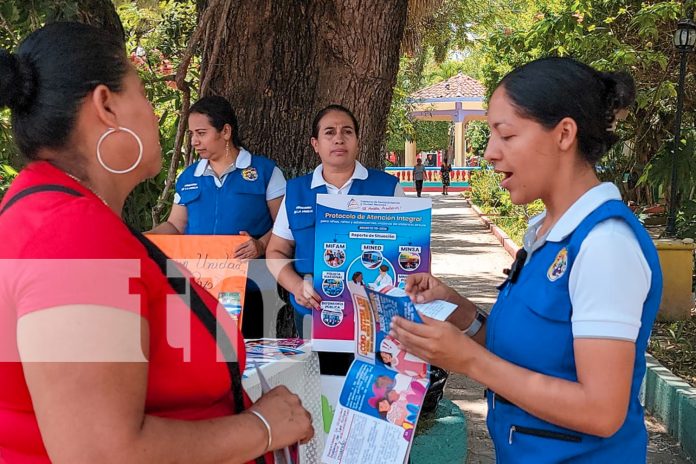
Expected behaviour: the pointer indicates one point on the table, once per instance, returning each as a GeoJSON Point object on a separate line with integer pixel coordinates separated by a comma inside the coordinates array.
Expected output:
{"type": "Point", "coordinates": [300, 374]}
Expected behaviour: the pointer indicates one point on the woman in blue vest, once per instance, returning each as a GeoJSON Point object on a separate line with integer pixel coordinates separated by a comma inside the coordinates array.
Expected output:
{"type": "Point", "coordinates": [335, 139]}
{"type": "Point", "coordinates": [562, 353]}
{"type": "Point", "coordinates": [228, 192]}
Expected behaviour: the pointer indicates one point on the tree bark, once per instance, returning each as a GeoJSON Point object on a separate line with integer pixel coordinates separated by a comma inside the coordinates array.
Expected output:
{"type": "Point", "coordinates": [99, 13]}
{"type": "Point", "coordinates": [282, 61]}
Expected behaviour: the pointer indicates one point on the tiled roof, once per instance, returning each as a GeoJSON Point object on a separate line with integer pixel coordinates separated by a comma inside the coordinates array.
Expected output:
{"type": "Point", "coordinates": [459, 86]}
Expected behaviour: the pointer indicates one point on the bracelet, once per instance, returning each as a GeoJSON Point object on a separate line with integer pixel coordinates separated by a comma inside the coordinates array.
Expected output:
{"type": "Point", "coordinates": [267, 425]}
{"type": "Point", "coordinates": [476, 324]}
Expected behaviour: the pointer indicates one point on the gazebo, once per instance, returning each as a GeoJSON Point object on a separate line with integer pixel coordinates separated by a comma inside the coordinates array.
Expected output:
{"type": "Point", "coordinates": [458, 99]}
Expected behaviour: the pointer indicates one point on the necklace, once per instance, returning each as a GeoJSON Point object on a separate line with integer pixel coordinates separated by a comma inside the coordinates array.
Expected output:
{"type": "Point", "coordinates": [79, 181]}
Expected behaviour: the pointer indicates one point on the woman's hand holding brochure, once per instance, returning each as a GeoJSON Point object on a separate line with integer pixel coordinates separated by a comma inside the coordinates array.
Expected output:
{"type": "Point", "coordinates": [438, 341]}
{"type": "Point", "coordinates": [424, 288]}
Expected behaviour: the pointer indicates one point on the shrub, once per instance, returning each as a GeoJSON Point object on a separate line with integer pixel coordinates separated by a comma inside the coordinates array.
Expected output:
{"type": "Point", "coordinates": [493, 200]}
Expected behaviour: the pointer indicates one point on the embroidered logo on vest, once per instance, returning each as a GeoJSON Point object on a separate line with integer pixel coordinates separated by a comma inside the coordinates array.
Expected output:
{"type": "Point", "coordinates": [250, 174]}
{"type": "Point", "coordinates": [303, 210]}
{"type": "Point", "coordinates": [192, 186]}
{"type": "Point", "coordinates": [559, 266]}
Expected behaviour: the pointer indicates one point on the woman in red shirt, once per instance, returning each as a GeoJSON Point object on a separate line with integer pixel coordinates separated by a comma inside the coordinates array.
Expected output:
{"type": "Point", "coordinates": [103, 358]}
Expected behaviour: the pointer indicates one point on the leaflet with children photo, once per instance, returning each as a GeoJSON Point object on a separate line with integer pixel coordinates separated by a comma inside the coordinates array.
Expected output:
{"type": "Point", "coordinates": [382, 395]}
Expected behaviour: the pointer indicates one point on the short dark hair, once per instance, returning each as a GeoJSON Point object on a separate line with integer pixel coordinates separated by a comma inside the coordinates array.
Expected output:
{"type": "Point", "coordinates": [327, 109]}
{"type": "Point", "coordinates": [54, 68]}
{"type": "Point", "coordinates": [384, 268]}
{"type": "Point", "coordinates": [219, 112]}
{"type": "Point", "coordinates": [550, 89]}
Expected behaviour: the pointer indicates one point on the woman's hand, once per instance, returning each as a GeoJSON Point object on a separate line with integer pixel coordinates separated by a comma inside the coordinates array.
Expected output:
{"type": "Point", "coordinates": [251, 249]}
{"type": "Point", "coordinates": [424, 287]}
{"type": "Point", "coordinates": [439, 343]}
{"type": "Point", "coordinates": [305, 295]}
{"type": "Point", "coordinates": [290, 422]}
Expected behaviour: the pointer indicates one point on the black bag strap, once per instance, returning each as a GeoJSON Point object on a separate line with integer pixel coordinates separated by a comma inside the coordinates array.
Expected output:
{"type": "Point", "coordinates": [36, 189]}
{"type": "Point", "coordinates": [179, 284]}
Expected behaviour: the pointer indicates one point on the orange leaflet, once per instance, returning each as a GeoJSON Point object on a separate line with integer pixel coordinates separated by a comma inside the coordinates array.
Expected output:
{"type": "Point", "coordinates": [210, 260]}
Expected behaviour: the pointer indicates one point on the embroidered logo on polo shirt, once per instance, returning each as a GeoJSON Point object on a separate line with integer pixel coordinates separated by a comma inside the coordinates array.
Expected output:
{"type": "Point", "coordinates": [559, 266]}
{"type": "Point", "coordinates": [250, 174]}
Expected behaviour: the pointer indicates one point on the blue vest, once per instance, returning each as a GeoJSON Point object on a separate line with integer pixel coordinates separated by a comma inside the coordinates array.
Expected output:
{"type": "Point", "coordinates": [240, 204]}
{"type": "Point", "coordinates": [300, 204]}
{"type": "Point", "coordinates": [530, 326]}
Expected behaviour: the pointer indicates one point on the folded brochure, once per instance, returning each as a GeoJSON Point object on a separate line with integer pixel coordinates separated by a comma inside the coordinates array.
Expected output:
{"type": "Point", "coordinates": [384, 390]}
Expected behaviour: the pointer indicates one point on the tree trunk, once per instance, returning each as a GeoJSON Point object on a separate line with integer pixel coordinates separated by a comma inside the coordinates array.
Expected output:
{"type": "Point", "coordinates": [279, 62]}
{"type": "Point", "coordinates": [99, 13]}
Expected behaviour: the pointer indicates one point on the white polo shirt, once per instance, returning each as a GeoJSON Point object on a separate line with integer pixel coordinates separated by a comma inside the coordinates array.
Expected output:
{"type": "Point", "coordinates": [610, 278]}
{"type": "Point", "coordinates": [281, 227]}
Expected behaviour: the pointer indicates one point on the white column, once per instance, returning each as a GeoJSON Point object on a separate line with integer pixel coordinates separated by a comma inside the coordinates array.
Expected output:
{"type": "Point", "coordinates": [410, 158]}
{"type": "Point", "coordinates": [459, 144]}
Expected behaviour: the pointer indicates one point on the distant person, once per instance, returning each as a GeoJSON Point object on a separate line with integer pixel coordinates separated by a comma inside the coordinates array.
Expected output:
{"type": "Point", "coordinates": [429, 160]}
{"type": "Point", "coordinates": [445, 170]}
{"type": "Point", "coordinates": [418, 175]}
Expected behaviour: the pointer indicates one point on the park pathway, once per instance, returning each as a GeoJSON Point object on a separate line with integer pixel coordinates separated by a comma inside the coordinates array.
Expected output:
{"type": "Point", "coordinates": [471, 260]}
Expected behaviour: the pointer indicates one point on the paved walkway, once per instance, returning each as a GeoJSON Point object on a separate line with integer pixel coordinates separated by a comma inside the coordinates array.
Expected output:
{"type": "Point", "coordinates": [471, 260]}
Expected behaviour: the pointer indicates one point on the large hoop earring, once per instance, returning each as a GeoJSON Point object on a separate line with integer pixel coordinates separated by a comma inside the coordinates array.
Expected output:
{"type": "Point", "coordinates": [110, 131]}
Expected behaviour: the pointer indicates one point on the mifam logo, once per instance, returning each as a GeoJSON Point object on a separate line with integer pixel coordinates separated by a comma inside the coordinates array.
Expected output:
{"type": "Point", "coordinates": [353, 204]}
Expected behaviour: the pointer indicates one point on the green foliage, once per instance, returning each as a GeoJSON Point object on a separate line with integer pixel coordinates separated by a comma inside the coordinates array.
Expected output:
{"type": "Point", "coordinates": [674, 344]}
{"type": "Point", "coordinates": [450, 43]}
{"type": "Point", "coordinates": [156, 38]}
{"type": "Point", "coordinates": [686, 219]}
{"type": "Point", "coordinates": [477, 133]}
{"type": "Point", "coordinates": [495, 201]}
{"type": "Point", "coordinates": [658, 172]}
{"type": "Point", "coordinates": [610, 35]}
{"type": "Point", "coordinates": [607, 34]}
{"type": "Point", "coordinates": [485, 189]}
{"type": "Point", "coordinates": [429, 135]}
{"type": "Point", "coordinates": [399, 126]}
{"type": "Point", "coordinates": [7, 175]}
{"type": "Point", "coordinates": [18, 19]}
{"type": "Point", "coordinates": [10, 161]}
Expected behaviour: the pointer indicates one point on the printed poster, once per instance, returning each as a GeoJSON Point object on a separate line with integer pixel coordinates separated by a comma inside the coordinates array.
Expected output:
{"type": "Point", "coordinates": [373, 241]}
